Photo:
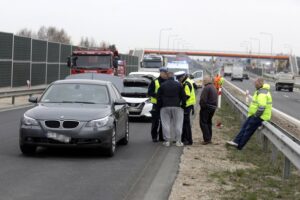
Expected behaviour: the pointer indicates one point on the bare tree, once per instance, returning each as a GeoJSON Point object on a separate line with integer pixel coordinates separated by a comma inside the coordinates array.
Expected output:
{"type": "Point", "coordinates": [42, 33]}
{"type": "Point", "coordinates": [88, 42]}
{"type": "Point", "coordinates": [25, 32]}
{"type": "Point", "coordinates": [51, 33]}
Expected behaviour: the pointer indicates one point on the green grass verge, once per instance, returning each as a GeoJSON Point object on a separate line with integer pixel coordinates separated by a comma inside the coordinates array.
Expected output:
{"type": "Point", "coordinates": [264, 180]}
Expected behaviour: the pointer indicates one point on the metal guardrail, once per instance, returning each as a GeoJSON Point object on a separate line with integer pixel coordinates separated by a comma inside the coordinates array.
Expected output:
{"type": "Point", "coordinates": [17, 93]}
{"type": "Point", "coordinates": [280, 139]}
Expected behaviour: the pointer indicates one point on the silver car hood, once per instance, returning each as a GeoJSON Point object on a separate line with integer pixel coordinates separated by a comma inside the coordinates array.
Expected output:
{"type": "Point", "coordinates": [69, 111]}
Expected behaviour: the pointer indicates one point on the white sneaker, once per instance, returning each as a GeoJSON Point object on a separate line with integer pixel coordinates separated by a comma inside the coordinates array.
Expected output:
{"type": "Point", "coordinates": [179, 144]}
{"type": "Point", "coordinates": [167, 143]}
{"type": "Point", "coordinates": [232, 143]}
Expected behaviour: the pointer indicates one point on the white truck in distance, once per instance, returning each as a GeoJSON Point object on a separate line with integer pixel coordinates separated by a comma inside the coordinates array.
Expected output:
{"type": "Point", "coordinates": [284, 80]}
{"type": "Point", "coordinates": [237, 73]}
{"type": "Point", "coordinates": [228, 69]}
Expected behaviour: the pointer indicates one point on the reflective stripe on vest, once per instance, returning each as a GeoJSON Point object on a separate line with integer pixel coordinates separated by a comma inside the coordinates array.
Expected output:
{"type": "Point", "coordinates": [157, 85]}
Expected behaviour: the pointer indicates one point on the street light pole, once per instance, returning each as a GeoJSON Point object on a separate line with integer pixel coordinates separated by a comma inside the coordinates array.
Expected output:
{"type": "Point", "coordinates": [289, 47]}
{"type": "Point", "coordinates": [271, 36]}
{"type": "Point", "coordinates": [160, 32]}
{"type": "Point", "coordinates": [257, 39]}
{"type": "Point", "coordinates": [258, 64]}
{"type": "Point", "coordinates": [170, 36]}
{"type": "Point", "coordinates": [176, 39]}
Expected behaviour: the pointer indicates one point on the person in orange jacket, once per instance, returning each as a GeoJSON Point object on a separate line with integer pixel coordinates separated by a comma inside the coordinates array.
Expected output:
{"type": "Point", "coordinates": [218, 81]}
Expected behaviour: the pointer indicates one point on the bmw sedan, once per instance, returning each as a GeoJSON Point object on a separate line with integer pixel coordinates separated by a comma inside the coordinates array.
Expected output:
{"type": "Point", "coordinates": [76, 113]}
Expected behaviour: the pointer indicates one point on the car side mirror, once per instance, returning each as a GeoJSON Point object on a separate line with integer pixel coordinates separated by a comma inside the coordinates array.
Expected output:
{"type": "Point", "coordinates": [33, 99]}
{"type": "Point", "coordinates": [120, 102]}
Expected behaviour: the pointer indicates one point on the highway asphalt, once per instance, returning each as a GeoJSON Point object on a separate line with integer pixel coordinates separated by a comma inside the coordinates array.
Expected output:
{"type": "Point", "coordinates": [140, 170]}
{"type": "Point", "coordinates": [285, 101]}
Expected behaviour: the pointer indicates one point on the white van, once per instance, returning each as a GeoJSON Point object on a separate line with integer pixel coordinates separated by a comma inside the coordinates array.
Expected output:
{"type": "Point", "coordinates": [237, 73]}
{"type": "Point", "coordinates": [177, 66]}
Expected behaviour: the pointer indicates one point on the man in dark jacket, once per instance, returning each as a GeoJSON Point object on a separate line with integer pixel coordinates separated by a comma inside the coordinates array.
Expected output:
{"type": "Point", "coordinates": [208, 104]}
{"type": "Point", "coordinates": [156, 129]}
{"type": "Point", "coordinates": [170, 98]}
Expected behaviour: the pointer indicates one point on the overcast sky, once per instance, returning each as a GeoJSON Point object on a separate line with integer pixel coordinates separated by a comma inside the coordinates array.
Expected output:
{"type": "Point", "coordinates": [202, 24]}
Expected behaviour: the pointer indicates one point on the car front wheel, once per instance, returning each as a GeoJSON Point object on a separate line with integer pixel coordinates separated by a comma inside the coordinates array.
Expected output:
{"type": "Point", "coordinates": [125, 140]}
{"type": "Point", "coordinates": [110, 150]}
{"type": "Point", "coordinates": [27, 149]}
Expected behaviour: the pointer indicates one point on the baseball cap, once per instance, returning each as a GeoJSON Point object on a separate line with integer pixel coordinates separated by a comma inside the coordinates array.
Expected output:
{"type": "Point", "coordinates": [163, 69]}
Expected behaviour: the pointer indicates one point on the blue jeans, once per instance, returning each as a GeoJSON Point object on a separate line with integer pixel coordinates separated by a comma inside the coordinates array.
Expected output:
{"type": "Point", "coordinates": [249, 127]}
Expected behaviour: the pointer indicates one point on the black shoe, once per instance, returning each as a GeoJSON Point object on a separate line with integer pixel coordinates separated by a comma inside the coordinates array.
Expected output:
{"type": "Point", "coordinates": [161, 140]}
{"type": "Point", "coordinates": [154, 140]}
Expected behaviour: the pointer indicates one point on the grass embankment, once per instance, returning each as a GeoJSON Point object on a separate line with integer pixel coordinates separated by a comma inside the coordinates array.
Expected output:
{"type": "Point", "coordinates": [264, 179]}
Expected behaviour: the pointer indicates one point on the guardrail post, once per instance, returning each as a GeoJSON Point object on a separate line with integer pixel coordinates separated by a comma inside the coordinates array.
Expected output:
{"type": "Point", "coordinates": [13, 100]}
{"type": "Point", "coordinates": [274, 153]}
{"type": "Point", "coordinates": [265, 143]}
{"type": "Point", "coordinates": [286, 168]}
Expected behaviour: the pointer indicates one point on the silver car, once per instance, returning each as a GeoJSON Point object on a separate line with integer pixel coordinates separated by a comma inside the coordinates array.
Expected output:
{"type": "Point", "coordinates": [76, 113]}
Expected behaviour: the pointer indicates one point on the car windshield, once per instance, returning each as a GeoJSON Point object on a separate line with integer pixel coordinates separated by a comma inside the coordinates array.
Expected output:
{"type": "Point", "coordinates": [76, 93]}
{"type": "Point", "coordinates": [152, 64]}
{"type": "Point", "coordinates": [92, 62]}
{"type": "Point", "coordinates": [138, 90]}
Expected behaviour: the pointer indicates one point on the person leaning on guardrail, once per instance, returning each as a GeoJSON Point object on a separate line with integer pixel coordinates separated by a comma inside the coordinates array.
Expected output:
{"type": "Point", "coordinates": [260, 110]}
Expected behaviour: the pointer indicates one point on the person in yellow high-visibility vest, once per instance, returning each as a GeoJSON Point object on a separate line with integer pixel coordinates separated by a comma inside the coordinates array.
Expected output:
{"type": "Point", "coordinates": [188, 107]}
{"type": "Point", "coordinates": [259, 110]}
{"type": "Point", "coordinates": [156, 129]}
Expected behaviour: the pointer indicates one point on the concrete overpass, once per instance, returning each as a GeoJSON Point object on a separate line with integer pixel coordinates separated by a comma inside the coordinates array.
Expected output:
{"type": "Point", "coordinates": [217, 54]}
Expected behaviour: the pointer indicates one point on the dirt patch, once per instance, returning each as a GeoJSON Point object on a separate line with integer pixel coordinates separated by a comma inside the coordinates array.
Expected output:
{"type": "Point", "coordinates": [199, 162]}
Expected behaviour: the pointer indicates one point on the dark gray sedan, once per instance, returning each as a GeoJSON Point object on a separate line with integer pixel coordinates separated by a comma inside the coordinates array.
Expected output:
{"type": "Point", "coordinates": [76, 113]}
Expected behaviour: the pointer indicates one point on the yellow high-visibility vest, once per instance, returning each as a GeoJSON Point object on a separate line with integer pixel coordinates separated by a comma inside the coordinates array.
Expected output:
{"type": "Point", "coordinates": [157, 85]}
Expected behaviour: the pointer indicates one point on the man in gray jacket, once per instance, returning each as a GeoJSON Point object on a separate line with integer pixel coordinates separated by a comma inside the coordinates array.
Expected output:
{"type": "Point", "coordinates": [170, 98]}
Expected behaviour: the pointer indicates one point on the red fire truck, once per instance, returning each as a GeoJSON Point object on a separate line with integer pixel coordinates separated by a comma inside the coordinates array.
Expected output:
{"type": "Point", "coordinates": [96, 61]}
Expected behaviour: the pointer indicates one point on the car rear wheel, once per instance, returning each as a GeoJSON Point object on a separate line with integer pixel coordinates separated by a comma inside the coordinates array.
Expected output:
{"type": "Point", "coordinates": [125, 140]}
{"type": "Point", "coordinates": [110, 151]}
{"type": "Point", "coordinates": [291, 89]}
{"type": "Point", "coordinates": [27, 149]}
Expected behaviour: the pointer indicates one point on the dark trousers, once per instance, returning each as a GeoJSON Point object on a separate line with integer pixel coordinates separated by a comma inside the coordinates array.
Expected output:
{"type": "Point", "coordinates": [156, 128]}
{"type": "Point", "coordinates": [206, 115]}
{"type": "Point", "coordinates": [186, 136]}
{"type": "Point", "coordinates": [247, 130]}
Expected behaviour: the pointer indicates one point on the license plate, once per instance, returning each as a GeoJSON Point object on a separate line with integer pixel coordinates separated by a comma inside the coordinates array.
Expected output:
{"type": "Point", "coordinates": [58, 137]}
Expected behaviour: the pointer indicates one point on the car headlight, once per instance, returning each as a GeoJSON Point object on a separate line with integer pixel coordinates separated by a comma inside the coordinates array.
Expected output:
{"type": "Point", "coordinates": [28, 121]}
{"type": "Point", "coordinates": [148, 101]}
{"type": "Point", "coordinates": [97, 123]}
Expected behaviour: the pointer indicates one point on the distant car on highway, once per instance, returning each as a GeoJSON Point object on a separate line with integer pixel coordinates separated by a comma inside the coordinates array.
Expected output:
{"type": "Point", "coordinates": [76, 113]}
{"type": "Point", "coordinates": [245, 75]}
